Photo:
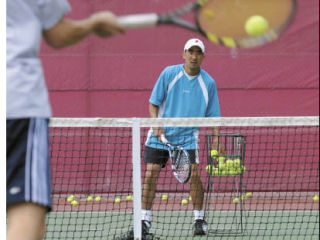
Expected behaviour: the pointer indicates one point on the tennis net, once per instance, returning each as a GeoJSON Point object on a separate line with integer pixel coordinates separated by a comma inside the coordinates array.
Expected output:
{"type": "Point", "coordinates": [265, 185]}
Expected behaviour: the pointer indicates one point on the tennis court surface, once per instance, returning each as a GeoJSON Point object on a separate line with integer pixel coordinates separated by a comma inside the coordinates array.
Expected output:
{"type": "Point", "coordinates": [272, 194]}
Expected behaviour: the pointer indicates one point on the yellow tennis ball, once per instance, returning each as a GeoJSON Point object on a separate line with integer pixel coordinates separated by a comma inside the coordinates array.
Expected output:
{"type": "Point", "coordinates": [221, 166]}
{"type": "Point", "coordinates": [97, 199]}
{"type": "Point", "coordinates": [236, 200]}
{"type": "Point", "coordinates": [244, 197]}
{"type": "Point", "coordinates": [315, 198]}
{"type": "Point", "coordinates": [249, 194]}
{"type": "Point", "coordinates": [190, 198]}
{"type": "Point", "coordinates": [117, 200]}
{"type": "Point", "coordinates": [89, 198]}
{"type": "Point", "coordinates": [184, 202]}
{"type": "Point", "coordinates": [236, 163]}
{"type": "Point", "coordinates": [256, 25]}
{"type": "Point", "coordinates": [221, 159]}
{"type": "Point", "coordinates": [229, 164]}
{"type": "Point", "coordinates": [213, 153]}
{"type": "Point", "coordinates": [74, 203]}
{"type": "Point", "coordinates": [164, 197]}
{"type": "Point", "coordinates": [208, 13]}
{"type": "Point", "coordinates": [70, 198]}
{"type": "Point", "coordinates": [212, 168]}
{"type": "Point", "coordinates": [129, 198]}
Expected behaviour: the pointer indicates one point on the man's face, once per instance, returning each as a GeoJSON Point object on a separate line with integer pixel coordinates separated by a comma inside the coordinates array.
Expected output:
{"type": "Point", "coordinates": [193, 58]}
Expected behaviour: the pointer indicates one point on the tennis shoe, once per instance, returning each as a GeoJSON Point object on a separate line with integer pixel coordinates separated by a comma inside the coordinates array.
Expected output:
{"type": "Point", "coordinates": [146, 232]}
{"type": "Point", "coordinates": [200, 227]}
{"type": "Point", "coordinates": [146, 228]}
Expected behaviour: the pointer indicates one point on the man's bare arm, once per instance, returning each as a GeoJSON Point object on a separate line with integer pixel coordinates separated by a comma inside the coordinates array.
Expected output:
{"type": "Point", "coordinates": [69, 32]}
{"type": "Point", "coordinates": [153, 111]}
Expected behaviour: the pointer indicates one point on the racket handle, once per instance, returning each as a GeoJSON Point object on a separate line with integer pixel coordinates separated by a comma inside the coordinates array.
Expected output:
{"type": "Point", "coordinates": [139, 20]}
{"type": "Point", "coordinates": [163, 139]}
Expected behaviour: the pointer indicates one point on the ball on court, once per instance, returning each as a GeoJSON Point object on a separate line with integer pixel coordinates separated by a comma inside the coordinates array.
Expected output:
{"type": "Point", "coordinates": [244, 197]}
{"type": "Point", "coordinates": [164, 197]}
{"type": "Point", "coordinates": [117, 200]}
{"type": "Point", "coordinates": [74, 203]}
{"type": "Point", "coordinates": [70, 198]}
{"type": "Point", "coordinates": [89, 198]}
{"type": "Point", "coordinates": [236, 200]}
{"type": "Point", "coordinates": [98, 199]}
{"type": "Point", "coordinates": [129, 198]}
{"type": "Point", "coordinates": [184, 202]}
{"type": "Point", "coordinates": [256, 26]}
{"type": "Point", "coordinates": [249, 194]}
{"type": "Point", "coordinates": [316, 198]}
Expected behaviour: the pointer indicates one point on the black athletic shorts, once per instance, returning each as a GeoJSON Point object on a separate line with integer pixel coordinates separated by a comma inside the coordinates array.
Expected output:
{"type": "Point", "coordinates": [28, 167]}
{"type": "Point", "coordinates": [159, 156]}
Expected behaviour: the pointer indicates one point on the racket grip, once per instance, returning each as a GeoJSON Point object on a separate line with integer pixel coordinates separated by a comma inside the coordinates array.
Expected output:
{"type": "Point", "coordinates": [163, 139]}
{"type": "Point", "coordinates": [139, 20]}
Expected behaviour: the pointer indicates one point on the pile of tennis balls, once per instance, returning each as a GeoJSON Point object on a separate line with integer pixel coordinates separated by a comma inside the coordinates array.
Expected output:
{"type": "Point", "coordinates": [224, 167]}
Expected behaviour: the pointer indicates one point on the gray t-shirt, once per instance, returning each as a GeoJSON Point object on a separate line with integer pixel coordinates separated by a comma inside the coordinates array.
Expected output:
{"type": "Point", "coordinates": [27, 94]}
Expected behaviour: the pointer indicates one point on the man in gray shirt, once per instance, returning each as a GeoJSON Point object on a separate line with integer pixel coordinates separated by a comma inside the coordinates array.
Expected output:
{"type": "Point", "coordinates": [28, 107]}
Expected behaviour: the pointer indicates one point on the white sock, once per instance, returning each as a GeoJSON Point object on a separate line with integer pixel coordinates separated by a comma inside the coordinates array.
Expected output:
{"type": "Point", "coordinates": [198, 214]}
{"type": "Point", "coordinates": [146, 215]}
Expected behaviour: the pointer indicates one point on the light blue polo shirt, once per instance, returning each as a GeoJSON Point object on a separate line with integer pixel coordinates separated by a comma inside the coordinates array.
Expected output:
{"type": "Point", "coordinates": [27, 94]}
{"type": "Point", "coordinates": [178, 96]}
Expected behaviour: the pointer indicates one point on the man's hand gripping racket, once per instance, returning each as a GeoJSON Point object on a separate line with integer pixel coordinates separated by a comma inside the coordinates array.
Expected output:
{"type": "Point", "coordinates": [180, 161]}
{"type": "Point", "coordinates": [224, 22]}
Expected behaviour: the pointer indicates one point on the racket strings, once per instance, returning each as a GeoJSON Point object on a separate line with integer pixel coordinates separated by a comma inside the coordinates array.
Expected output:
{"type": "Point", "coordinates": [182, 165]}
{"type": "Point", "coordinates": [227, 18]}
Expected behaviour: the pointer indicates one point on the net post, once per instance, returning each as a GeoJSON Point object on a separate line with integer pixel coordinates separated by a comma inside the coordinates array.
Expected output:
{"type": "Point", "coordinates": [136, 178]}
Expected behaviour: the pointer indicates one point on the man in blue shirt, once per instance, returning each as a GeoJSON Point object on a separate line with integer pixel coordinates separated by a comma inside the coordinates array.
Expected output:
{"type": "Point", "coordinates": [28, 108]}
{"type": "Point", "coordinates": [183, 90]}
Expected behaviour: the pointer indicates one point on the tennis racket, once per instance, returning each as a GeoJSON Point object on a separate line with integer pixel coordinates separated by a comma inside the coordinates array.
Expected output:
{"type": "Point", "coordinates": [180, 161]}
{"type": "Point", "coordinates": [223, 22]}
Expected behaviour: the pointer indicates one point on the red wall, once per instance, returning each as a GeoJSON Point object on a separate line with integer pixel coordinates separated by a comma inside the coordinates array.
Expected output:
{"type": "Point", "coordinates": [114, 77]}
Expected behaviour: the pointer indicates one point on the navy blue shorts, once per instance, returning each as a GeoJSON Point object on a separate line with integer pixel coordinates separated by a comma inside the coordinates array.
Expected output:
{"type": "Point", "coordinates": [28, 167]}
{"type": "Point", "coordinates": [159, 156]}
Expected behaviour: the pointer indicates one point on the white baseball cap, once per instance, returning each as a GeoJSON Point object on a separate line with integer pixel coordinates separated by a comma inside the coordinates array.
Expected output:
{"type": "Point", "coordinates": [194, 42]}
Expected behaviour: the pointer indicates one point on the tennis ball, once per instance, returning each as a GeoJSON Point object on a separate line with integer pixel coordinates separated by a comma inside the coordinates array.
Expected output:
{"type": "Point", "coordinates": [213, 153]}
{"type": "Point", "coordinates": [224, 173]}
{"type": "Point", "coordinates": [190, 198]}
{"type": "Point", "coordinates": [229, 164]}
{"type": "Point", "coordinates": [89, 198]}
{"type": "Point", "coordinates": [74, 203]}
{"type": "Point", "coordinates": [249, 194]}
{"type": "Point", "coordinates": [236, 163]}
{"type": "Point", "coordinates": [212, 168]}
{"type": "Point", "coordinates": [244, 197]}
{"type": "Point", "coordinates": [184, 202]}
{"type": "Point", "coordinates": [215, 172]}
{"type": "Point", "coordinates": [315, 198]}
{"type": "Point", "coordinates": [221, 159]}
{"type": "Point", "coordinates": [236, 200]}
{"type": "Point", "coordinates": [117, 200]}
{"type": "Point", "coordinates": [129, 198]}
{"type": "Point", "coordinates": [221, 166]}
{"type": "Point", "coordinates": [256, 25]}
{"type": "Point", "coordinates": [232, 173]}
{"type": "Point", "coordinates": [98, 199]}
{"type": "Point", "coordinates": [164, 197]}
{"type": "Point", "coordinates": [70, 198]}
{"type": "Point", "coordinates": [208, 13]}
